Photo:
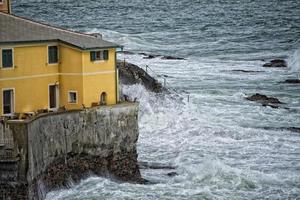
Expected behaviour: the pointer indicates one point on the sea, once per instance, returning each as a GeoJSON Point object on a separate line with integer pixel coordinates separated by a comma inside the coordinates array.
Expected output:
{"type": "Point", "coordinates": [221, 145]}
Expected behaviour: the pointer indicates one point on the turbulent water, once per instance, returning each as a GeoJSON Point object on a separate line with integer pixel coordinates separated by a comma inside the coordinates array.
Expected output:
{"type": "Point", "coordinates": [224, 147]}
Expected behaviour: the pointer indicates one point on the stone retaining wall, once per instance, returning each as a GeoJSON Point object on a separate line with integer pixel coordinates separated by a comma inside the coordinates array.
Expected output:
{"type": "Point", "coordinates": [55, 148]}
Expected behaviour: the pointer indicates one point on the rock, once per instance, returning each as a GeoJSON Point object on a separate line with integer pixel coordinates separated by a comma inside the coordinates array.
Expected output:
{"type": "Point", "coordinates": [171, 58]}
{"type": "Point", "coordinates": [151, 56]}
{"type": "Point", "coordinates": [147, 165]}
{"type": "Point", "coordinates": [277, 63]}
{"type": "Point", "coordinates": [292, 81]}
{"type": "Point", "coordinates": [131, 74]}
{"type": "Point", "coordinates": [245, 71]}
{"type": "Point", "coordinates": [171, 174]}
{"type": "Point", "coordinates": [265, 100]}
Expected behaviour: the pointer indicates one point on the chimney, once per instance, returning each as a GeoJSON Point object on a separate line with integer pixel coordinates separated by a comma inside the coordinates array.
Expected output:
{"type": "Point", "coordinates": [5, 6]}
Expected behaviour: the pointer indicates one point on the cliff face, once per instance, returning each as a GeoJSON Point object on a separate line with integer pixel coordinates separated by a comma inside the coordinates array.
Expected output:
{"type": "Point", "coordinates": [55, 148]}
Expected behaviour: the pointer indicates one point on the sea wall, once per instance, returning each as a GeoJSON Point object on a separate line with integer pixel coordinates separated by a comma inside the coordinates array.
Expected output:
{"type": "Point", "coordinates": [53, 149]}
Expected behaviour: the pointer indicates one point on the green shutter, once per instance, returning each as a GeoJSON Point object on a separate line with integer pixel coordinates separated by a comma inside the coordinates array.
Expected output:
{"type": "Point", "coordinates": [93, 55]}
{"type": "Point", "coordinates": [7, 59]}
{"type": "Point", "coordinates": [105, 54]}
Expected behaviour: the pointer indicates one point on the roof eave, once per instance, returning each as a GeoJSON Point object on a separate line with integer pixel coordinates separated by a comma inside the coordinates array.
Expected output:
{"type": "Point", "coordinates": [61, 41]}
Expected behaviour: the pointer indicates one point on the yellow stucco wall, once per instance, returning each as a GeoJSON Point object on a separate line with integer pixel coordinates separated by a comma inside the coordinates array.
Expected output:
{"type": "Point", "coordinates": [32, 75]}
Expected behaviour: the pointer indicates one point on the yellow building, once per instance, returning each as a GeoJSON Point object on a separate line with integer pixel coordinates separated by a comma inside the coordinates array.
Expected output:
{"type": "Point", "coordinates": [44, 67]}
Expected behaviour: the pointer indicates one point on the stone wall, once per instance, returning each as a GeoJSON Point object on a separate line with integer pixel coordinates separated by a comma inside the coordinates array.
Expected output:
{"type": "Point", "coordinates": [55, 148]}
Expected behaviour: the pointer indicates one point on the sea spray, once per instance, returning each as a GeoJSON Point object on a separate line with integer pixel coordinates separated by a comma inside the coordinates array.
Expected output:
{"type": "Point", "coordinates": [294, 62]}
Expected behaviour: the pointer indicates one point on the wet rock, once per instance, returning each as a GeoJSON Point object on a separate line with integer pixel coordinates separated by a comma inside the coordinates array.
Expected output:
{"type": "Point", "coordinates": [266, 101]}
{"type": "Point", "coordinates": [147, 165]}
{"type": "Point", "coordinates": [245, 71]}
{"type": "Point", "coordinates": [131, 74]}
{"type": "Point", "coordinates": [277, 63]}
{"type": "Point", "coordinates": [263, 99]}
{"type": "Point", "coordinates": [292, 81]}
{"type": "Point", "coordinates": [151, 56]}
{"type": "Point", "coordinates": [292, 129]}
{"type": "Point", "coordinates": [172, 174]}
{"type": "Point", "coordinates": [171, 58]}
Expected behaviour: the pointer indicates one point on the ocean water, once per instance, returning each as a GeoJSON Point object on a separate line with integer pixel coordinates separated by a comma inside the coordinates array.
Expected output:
{"type": "Point", "coordinates": [223, 146]}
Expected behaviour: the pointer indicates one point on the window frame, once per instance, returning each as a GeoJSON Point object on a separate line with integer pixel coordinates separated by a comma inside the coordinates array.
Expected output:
{"type": "Point", "coordinates": [52, 45]}
{"type": "Point", "coordinates": [13, 60]}
{"type": "Point", "coordinates": [102, 58]}
{"type": "Point", "coordinates": [69, 97]}
{"type": "Point", "coordinates": [13, 106]}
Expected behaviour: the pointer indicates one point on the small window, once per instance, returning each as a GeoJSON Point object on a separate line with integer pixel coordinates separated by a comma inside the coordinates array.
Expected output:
{"type": "Point", "coordinates": [103, 98]}
{"type": "Point", "coordinates": [72, 97]}
{"type": "Point", "coordinates": [7, 58]}
{"type": "Point", "coordinates": [52, 54]}
{"type": "Point", "coordinates": [99, 55]}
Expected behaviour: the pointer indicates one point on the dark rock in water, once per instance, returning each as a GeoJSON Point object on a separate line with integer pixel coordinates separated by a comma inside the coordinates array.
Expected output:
{"type": "Point", "coordinates": [147, 165]}
{"type": "Point", "coordinates": [171, 174]}
{"type": "Point", "coordinates": [132, 74]}
{"type": "Point", "coordinates": [294, 129]}
{"type": "Point", "coordinates": [266, 101]}
{"type": "Point", "coordinates": [143, 54]}
{"type": "Point", "coordinates": [292, 81]}
{"type": "Point", "coordinates": [151, 56]}
{"type": "Point", "coordinates": [171, 58]}
{"type": "Point", "coordinates": [245, 71]}
{"type": "Point", "coordinates": [263, 99]}
{"type": "Point", "coordinates": [277, 63]}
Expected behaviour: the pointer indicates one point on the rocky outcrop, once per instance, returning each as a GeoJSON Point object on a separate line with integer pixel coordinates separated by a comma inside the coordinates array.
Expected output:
{"type": "Point", "coordinates": [171, 58]}
{"type": "Point", "coordinates": [292, 81]}
{"type": "Point", "coordinates": [276, 63]}
{"type": "Point", "coordinates": [265, 100]}
{"type": "Point", "coordinates": [245, 71]}
{"type": "Point", "coordinates": [132, 74]}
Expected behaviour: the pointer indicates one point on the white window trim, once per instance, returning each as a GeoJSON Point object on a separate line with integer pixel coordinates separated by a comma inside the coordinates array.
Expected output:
{"type": "Point", "coordinates": [13, 60]}
{"type": "Point", "coordinates": [69, 99]}
{"type": "Point", "coordinates": [14, 101]}
{"type": "Point", "coordinates": [57, 96]}
{"type": "Point", "coordinates": [52, 45]}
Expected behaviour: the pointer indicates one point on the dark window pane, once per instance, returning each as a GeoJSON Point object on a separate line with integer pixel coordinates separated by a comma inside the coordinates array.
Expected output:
{"type": "Point", "coordinates": [7, 59]}
{"type": "Point", "coordinates": [53, 54]}
{"type": "Point", "coordinates": [7, 101]}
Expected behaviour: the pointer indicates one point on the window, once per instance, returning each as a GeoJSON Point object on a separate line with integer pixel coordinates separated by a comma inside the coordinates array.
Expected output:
{"type": "Point", "coordinates": [7, 58]}
{"type": "Point", "coordinates": [8, 101]}
{"type": "Point", "coordinates": [73, 97]}
{"type": "Point", "coordinates": [99, 55]}
{"type": "Point", "coordinates": [103, 98]}
{"type": "Point", "coordinates": [52, 54]}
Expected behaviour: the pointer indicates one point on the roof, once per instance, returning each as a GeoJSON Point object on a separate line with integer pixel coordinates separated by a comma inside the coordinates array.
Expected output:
{"type": "Point", "coordinates": [16, 30]}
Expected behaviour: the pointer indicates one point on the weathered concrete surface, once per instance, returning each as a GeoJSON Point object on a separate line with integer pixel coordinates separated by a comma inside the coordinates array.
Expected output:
{"type": "Point", "coordinates": [52, 149]}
